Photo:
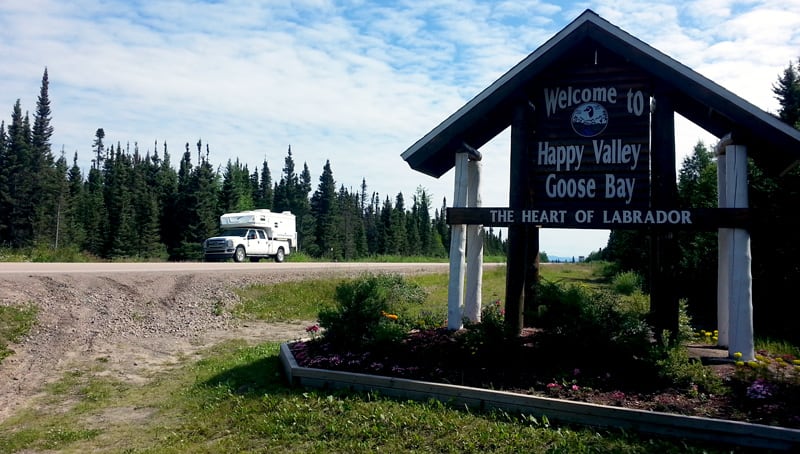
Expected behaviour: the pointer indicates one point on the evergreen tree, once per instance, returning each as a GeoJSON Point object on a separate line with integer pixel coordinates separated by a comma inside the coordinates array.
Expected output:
{"type": "Point", "coordinates": [146, 207]}
{"type": "Point", "coordinates": [99, 148]}
{"type": "Point", "coordinates": [165, 181]}
{"type": "Point", "coordinates": [369, 214]}
{"type": "Point", "coordinates": [440, 227]}
{"type": "Point", "coordinates": [93, 213]}
{"type": "Point", "coordinates": [121, 238]}
{"type": "Point", "coordinates": [74, 231]}
{"type": "Point", "coordinates": [351, 238]}
{"type": "Point", "coordinates": [697, 269]}
{"type": "Point", "coordinates": [237, 189]}
{"type": "Point", "coordinates": [399, 233]}
{"type": "Point", "coordinates": [287, 188]}
{"type": "Point", "coordinates": [422, 219]}
{"type": "Point", "coordinates": [323, 209]}
{"type": "Point", "coordinates": [6, 202]}
{"type": "Point", "coordinates": [46, 182]}
{"type": "Point", "coordinates": [62, 204]}
{"type": "Point", "coordinates": [206, 188]}
{"type": "Point", "coordinates": [787, 92]}
{"type": "Point", "coordinates": [302, 208]}
{"type": "Point", "coordinates": [265, 190]}
{"type": "Point", "coordinates": [386, 234]}
{"type": "Point", "coordinates": [19, 206]}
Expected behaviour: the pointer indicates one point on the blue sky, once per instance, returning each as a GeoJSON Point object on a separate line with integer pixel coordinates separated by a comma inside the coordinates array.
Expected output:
{"type": "Point", "coordinates": [356, 82]}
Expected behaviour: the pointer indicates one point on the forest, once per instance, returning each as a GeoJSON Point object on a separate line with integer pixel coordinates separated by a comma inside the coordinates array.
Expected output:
{"type": "Point", "coordinates": [137, 205]}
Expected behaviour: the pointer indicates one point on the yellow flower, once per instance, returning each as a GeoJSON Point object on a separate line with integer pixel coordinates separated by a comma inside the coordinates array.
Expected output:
{"type": "Point", "coordinates": [737, 355]}
{"type": "Point", "coordinates": [389, 316]}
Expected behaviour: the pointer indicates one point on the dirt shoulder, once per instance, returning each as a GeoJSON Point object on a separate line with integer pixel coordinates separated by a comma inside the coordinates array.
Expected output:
{"type": "Point", "coordinates": [135, 322]}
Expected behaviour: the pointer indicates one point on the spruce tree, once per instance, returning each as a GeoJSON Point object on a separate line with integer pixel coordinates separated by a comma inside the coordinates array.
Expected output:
{"type": "Point", "coordinates": [787, 92]}
{"type": "Point", "coordinates": [46, 183]}
{"type": "Point", "coordinates": [166, 188]}
{"type": "Point", "coordinates": [323, 209]}
{"type": "Point", "coordinates": [5, 187]}
{"type": "Point", "coordinates": [75, 233]}
{"type": "Point", "coordinates": [386, 231]}
{"type": "Point", "coordinates": [265, 189]}
{"type": "Point", "coordinates": [21, 180]}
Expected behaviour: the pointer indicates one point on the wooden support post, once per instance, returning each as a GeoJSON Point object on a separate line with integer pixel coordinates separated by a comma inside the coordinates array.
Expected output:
{"type": "Point", "coordinates": [723, 246]}
{"type": "Point", "coordinates": [664, 306]}
{"type": "Point", "coordinates": [455, 288]}
{"type": "Point", "coordinates": [472, 298]}
{"type": "Point", "coordinates": [517, 239]}
{"type": "Point", "coordinates": [740, 289]}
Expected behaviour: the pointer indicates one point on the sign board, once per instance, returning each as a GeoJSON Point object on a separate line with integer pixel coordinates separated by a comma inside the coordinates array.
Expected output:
{"type": "Point", "coordinates": [591, 144]}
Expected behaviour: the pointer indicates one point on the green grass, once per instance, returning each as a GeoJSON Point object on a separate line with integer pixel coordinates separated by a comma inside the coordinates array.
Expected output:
{"type": "Point", "coordinates": [15, 322]}
{"type": "Point", "coordinates": [235, 399]}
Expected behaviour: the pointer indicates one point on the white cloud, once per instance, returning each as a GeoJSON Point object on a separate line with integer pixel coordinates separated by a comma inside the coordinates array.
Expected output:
{"type": "Point", "coordinates": [353, 81]}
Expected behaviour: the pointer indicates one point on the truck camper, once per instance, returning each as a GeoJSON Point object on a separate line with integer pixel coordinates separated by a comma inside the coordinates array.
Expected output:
{"type": "Point", "coordinates": [253, 234]}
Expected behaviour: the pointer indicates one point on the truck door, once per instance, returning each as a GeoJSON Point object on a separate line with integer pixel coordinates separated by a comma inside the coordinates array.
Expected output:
{"type": "Point", "coordinates": [254, 244]}
{"type": "Point", "coordinates": [270, 245]}
{"type": "Point", "coordinates": [264, 243]}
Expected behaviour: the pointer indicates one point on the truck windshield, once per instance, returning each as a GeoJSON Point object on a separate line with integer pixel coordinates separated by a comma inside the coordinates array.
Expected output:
{"type": "Point", "coordinates": [235, 232]}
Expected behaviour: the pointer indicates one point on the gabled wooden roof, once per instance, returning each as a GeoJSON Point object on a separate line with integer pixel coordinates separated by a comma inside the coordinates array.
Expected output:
{"type": "Point", "coordinates": [774, 145]}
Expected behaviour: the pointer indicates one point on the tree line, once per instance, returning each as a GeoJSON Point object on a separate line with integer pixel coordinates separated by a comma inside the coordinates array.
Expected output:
{"type": "Point", "coordinates": [135, 204]}
{"type": "Point", "coordinates": [775, 249]}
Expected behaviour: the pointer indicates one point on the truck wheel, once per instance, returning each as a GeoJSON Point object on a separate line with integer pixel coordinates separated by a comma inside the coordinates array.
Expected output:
{"type": "Point", "coordinates": [239, 255]}
{"type": "Point", "coordinates": [279, 256]}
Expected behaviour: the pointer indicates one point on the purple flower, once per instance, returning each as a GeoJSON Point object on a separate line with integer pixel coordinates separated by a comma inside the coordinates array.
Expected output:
{"type": "Point", "coordinates": [759, 389]}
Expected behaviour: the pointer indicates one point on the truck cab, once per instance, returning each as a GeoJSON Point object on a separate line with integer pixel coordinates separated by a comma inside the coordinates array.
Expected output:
{"type": "Point", "coordinates": [243, 243]}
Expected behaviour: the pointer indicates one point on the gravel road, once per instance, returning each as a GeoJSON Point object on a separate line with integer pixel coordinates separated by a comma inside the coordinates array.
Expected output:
{"type": "Point", "coordinates": [140, 317]}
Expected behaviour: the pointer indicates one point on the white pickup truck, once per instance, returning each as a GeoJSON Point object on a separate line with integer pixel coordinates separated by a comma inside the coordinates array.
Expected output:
{"type": "Point", "coordinates": [254, 234]}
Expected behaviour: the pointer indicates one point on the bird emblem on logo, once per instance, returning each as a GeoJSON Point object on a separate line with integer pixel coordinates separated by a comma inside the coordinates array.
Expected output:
{"type": "Point", "coordinates": [589, 119]}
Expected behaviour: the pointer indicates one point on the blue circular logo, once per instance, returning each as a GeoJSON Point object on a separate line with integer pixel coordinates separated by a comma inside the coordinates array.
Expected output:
{"type": "Point", "coordinates": [589, 119]}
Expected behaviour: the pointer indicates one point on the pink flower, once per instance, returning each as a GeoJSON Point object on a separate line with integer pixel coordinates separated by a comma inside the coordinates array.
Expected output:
{"type": "Point", "coordinates": [576, 387]}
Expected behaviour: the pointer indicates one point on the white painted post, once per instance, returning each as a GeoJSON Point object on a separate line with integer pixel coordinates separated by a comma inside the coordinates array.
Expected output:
{"type": "Point", "coordinates": [723, 264]}
{"type": "Point", "coordinates": [455, 287]}
{"type": "Point", "coordinates": [741, 284]}
{"type": "Point", "coordinates": [472, 298]}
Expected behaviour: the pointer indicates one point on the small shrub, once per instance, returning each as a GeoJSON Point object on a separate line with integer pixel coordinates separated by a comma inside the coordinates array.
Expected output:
{"type": "Point", "coordinates": [370, 309]}
{"type": "Point", "coordinates": [627, 283]}
{"type": "Point", "coordinates": [487, 337]}
{"type": "Point", "coordinates": [592, 327]}
{"type": "Point", "coordinates": [676, 368]}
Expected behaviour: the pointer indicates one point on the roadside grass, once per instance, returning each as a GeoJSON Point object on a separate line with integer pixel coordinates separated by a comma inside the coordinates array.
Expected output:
{"type": "Point", "coordinates": [235, 399]}
{"type": "Point", "coordinates": [15, 322]}
{"type": "Point", "coordinates": [300, 300]}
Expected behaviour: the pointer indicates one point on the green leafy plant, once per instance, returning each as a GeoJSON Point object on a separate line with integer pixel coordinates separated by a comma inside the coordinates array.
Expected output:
{"type": "Point", "coordinates": [626, 283]}
{"type": "Point", "coordinates": [370, 309]}
{"type": "Point", "coordinates": [676, 368]}
{"type": "Point", "coordinates": [590, 326]}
